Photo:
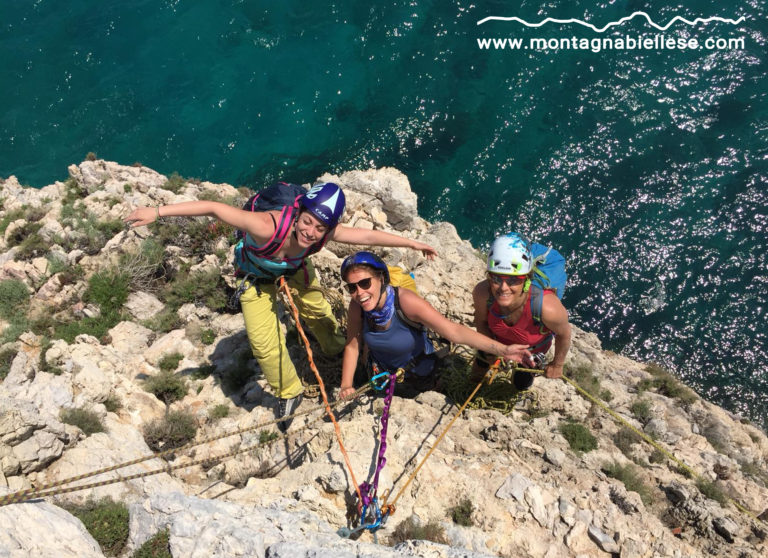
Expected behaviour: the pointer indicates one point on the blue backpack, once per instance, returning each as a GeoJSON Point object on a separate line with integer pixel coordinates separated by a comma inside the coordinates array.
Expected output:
{"type": "Point", "coordinates": [548, 273]}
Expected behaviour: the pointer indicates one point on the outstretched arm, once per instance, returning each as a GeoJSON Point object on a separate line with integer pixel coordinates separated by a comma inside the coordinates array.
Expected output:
{"type": "Point", "coordinates": [352, 235]}
{"type": "Point", "coordinates": [555, 317]}
{"type": "Point", "coordinates": [258, 224]}
{"type": "Point", "coordinates": [418, 309]}
{"type": "Point", "coordinates": [351, 349]}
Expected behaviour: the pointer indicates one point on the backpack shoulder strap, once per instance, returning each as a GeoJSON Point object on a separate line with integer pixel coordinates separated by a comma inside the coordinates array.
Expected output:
{"type": "Point", "coordinates": [537, 298]}
{"type": "Point", "coordinates": [400, 314]}
{"type": "Point", "coordinates": [278, 238]}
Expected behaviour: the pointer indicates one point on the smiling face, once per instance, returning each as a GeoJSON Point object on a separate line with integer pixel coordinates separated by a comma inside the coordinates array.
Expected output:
{"type": "Point", "coordinates": [507, 290]}
{"type": "Point", "coordinates": [367, 288]}
{"type": "Point", "coordinates": [309, 229]}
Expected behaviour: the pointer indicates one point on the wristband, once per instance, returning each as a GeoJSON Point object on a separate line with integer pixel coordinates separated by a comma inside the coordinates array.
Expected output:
{"type": "Point", "coordinates": [157, 213]}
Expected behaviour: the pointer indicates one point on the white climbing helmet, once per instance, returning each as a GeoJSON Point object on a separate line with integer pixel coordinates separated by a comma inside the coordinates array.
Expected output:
{"type": "Point", "coordinates": [510, 255]}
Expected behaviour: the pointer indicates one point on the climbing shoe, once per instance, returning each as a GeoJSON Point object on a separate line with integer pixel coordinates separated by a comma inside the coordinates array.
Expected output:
{"type": "Point", "coordinates": [287, 407]}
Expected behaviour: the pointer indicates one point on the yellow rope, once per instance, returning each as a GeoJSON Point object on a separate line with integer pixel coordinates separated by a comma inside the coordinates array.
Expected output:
{"type": "Point", "coordinates": [390, 508]}
{"type": "Point", "coordinates": [648, 439]}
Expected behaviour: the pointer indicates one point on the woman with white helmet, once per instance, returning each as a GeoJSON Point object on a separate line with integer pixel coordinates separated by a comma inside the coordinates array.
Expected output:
{"type": "Point", "coordinates": [391, 321]}
{"type": "Point", "coordinates": [292, 235]}
{"type": "Point", "coordinates": [503, 309]}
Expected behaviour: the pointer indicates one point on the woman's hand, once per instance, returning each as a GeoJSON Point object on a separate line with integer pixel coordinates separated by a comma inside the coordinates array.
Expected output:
{"type": "Point", "coordinates": [425, 249]}
{"type": "Point", "coordinates": [553, 371]}
{"type": "Point", "coordinates": [518, 353]}
{"type": "Point", "coordinates": [346, 392]}
{"type": "Point", "coordinates": [142, 216]}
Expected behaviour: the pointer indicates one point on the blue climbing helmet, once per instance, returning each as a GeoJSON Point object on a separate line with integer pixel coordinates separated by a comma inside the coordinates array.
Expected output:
{"type": "Point", "coordinates": [365, 258]}
{"type": "Point", "coordinates": [510, 255]}
{"type": "Point", "coordinates": [326, 202]}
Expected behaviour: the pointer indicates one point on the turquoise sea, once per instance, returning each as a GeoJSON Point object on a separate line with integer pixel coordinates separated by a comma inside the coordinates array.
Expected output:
{"type": "Point", "coordinates": [646, 166]}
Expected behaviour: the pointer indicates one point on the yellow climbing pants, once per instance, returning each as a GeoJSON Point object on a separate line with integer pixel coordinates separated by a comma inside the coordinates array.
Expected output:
{"type": "Point", "coordinates": [259, 306]}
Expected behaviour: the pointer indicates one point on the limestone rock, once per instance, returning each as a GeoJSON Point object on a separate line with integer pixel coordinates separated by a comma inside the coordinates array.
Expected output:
{"type": "Point", "coordinates": [143, 306]}
{"type": "Point", "coordinates": [388, 185]}
{"type": "Point", "coordinates": [120, 443]}
{"type": "Point", "coordinates": [46, 531]}
{"type": "Point", "coordinates": [29, 439]}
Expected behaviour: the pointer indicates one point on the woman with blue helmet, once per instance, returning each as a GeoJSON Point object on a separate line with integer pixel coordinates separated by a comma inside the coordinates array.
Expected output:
{"type": "Point", "coordinates": [392, 341]}
{"type": "Point", "coordinates": [503, 309]}
{"type": "Point", "coordinates": [294, 239]}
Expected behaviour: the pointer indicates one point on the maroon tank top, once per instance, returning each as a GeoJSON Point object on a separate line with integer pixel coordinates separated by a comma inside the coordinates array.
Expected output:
{"type": "Point", "coordinates": [524, 331]}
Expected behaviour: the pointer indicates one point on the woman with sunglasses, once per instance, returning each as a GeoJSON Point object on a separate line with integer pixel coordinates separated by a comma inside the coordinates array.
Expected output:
{"type": "Point", "coordinates": [399, 339]}
{"type": "Point", "coordinates": [503, 310]}
{"type": "Point", "coordinates": [296, 236]}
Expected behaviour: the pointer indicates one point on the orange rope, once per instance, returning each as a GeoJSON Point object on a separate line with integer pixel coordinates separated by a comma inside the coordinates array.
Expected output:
{"type": "Point", "coordinates": [320, 382]}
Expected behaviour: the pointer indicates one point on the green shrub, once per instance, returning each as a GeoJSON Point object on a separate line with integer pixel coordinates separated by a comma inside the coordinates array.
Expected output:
{"type": "Point", "coordinates": [113, 403]}
{"type": "Point", "coordinates": [6, 359]}
{"type": "Point", "coordinates": [266, 436]}
{"type": "Point", "coordinates": [10, 217]}
{"type": "Point", "coordinates": [203, 287]}
{"type": "Point", "coordinates": [43, 364]}
{"type": "Point", "coordinates": [589, 382]}
{"type": "Point", "coordinates": [174, 430]}
{"type": "Point", "coordinates": [87, 421]}
{"type": "Point", "coordinates": [68, 274]}
{"type": "Point", "coordinates": [18, 324]}
{"type": "Point", "coordinates": [208, 336]}
{"type": "Point", "coordinates": [156, 547]}
{"type": "Point", "coordinates": [461, 513]}
{"type": "Point", "coordinates": [97, 326]}
{"type": "Point", "coordinates": [167, 320]}
{"type": "Point", "coordinates": [197, 237]}
{"type": "Point", "coordinates": [657, 456]}
{"type": "Point", "coordinates": [711, 490]}
{"type": "Point", "coordinates": [170, 362]}
{"type": "Point", "coordinates": [666, 384]}
{"type": "Point", "coordinates": [127, 188]}
{"type": "Point", "coordinates": [34, 214]}
{"type": "Point", "coordinates": [579, 438]}
{"type": "Point", "coordinates": [174, 183]}
{"type": "Point", "coordinates": [109, 289]}
{"type": "Point", "coordinates": [629, 476]}
{"type": "Point", "coordinates": [22, 233]}
{"type": "Point", "coordinates": [641, 409]}
{"type": "Point", "coordinates": [410, 530]}
{"type": "Point", "coordinates": [30, 243]}
{"type": "Point", "coordinates": [145, 266]}
{"type": "Point", "coordinates": [682, 471]}
{"type": "Point", "coordinates": [219, 412]}
{"type": "Point", "coordinates": [167, 387]}
{"type": "Point", "coordinates": [624, 439]}
{"type": "Point", "coordinates": [13, 295]}
{"type": "Point", "coordinates": [106, 521]}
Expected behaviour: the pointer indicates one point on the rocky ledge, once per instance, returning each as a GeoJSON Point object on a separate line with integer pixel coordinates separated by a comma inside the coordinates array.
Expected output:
{"type": "Point", "coordinates": [109, 335]}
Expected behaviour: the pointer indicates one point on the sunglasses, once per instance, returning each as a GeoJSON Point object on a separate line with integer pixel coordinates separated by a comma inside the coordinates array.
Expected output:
{"type": "Point", "coordinates": [510, 280]}
{"type": "Point", "coordinates": [362, 283]}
